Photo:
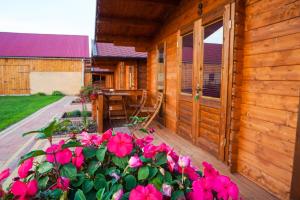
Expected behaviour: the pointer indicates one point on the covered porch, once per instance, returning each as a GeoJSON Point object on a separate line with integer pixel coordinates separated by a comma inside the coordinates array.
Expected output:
{"type": "Point", "coordinates": [229, 75]}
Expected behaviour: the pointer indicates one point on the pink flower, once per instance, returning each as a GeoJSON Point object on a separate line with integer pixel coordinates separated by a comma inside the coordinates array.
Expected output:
{"type": "Point", "coordinates": [115, 175]}
{"type": "Point", "coordinates": [118, 195]}
{"type": "Point", "coordinates": [107, 135]}
{"type": "Point", "coordinates": [90, 139]}
{"type": "Point", "coordinates": [184, 161]}
{"type": "Point", "coordinates": [150, 151]}
{"type": "Point", "coordinates": [201, 191]}
{"type": "Point", "coordinates": [56, 153]}
{"type": "Point", "coordinates": [63, 183]}
{"type": "Point", "coordinates": [167, 189]}
{"type": "Point", "coordinates": [209, 171]}
{"type": "Point", "coordinates": [147, 192]}
{"type": "Point", "coordinates": [4, 174]}
{"type": "Point", "coordinates": [25, 167]}
{"type": "Point", "coordinates": [172, 165]}
{"type": "Point", "coordinates": [223, 186]}
{"type": "Point", "coordinates": [135, 161]}
{"type": "Point", "coordinates": [25, 190]}
{"type": "Point", "coordinates": [191, 173]}
{"type": "Point", "coordinates": [78, 159]}
{"type": "Point", "coordinates": [120, 144]}
{"type": "Point", "coordinates": [144, 141]}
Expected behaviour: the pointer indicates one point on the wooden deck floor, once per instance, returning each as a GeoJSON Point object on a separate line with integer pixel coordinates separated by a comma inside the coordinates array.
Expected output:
{"type": "Point", "coordinates": [248, 189]}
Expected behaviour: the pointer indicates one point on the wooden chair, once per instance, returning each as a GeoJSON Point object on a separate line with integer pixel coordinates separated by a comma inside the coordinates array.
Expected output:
{"type": "Point", "coordinates": [140, 103]}
{"type": "Point", "coordinates": [150, 112]}
{"type": "Point", "coordinates": [116, 109]}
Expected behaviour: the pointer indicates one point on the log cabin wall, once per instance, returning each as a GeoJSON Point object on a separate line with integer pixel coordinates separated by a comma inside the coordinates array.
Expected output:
{"type": "Point", "coordinates": [269, 93]}
{"type": "Point", "coordinates": [17, 73]}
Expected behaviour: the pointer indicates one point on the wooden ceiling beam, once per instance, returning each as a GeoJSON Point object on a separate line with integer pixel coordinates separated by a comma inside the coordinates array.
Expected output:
{"type": "Point", "coordinates": [128, 21]}
{"type": "Point", "coordinates": [159, 2]}
{"type": "Point", "coordinates": [124, 40]}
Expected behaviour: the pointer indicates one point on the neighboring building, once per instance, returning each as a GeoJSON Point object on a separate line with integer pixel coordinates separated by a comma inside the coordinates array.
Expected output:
{"type": "Point", "coordinates": [117, 67]}
{"type": "Point", "coordinates": [31, 63]}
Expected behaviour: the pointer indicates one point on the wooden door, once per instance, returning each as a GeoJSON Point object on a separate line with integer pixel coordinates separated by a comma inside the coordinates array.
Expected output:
{"type": "Point", "coordinates": [210, 110]}
{"type": "Point", "coordinates": [14, 80]}
{"type": "Point", "coordinates": [186, 83]}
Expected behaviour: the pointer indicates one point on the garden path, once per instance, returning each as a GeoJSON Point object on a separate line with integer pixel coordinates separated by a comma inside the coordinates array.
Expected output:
{"type": "Point", "coordinates": [13, 145]}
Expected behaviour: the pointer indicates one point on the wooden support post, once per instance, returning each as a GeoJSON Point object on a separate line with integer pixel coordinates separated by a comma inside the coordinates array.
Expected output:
{"type": "Point", "coordinates": [295, 187]}
{"type": "Point", "coordinates": [94, 109]}
{"type": "Point", "coordinates": [100, 113]}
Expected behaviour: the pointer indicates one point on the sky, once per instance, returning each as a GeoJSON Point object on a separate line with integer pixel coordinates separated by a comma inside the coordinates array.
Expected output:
{"type": "Point", "coordinates": [74, 17]}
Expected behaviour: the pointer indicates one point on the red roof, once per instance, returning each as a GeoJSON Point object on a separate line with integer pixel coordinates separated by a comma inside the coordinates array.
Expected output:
{"type": "Point", "coordinates": [110, 50]}
{"type": "Point", "coordinates": [43, 45]}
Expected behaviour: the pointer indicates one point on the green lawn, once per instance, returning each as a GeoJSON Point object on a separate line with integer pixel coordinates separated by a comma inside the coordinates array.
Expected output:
{"type": "Point", "coordinates": [16, 108]}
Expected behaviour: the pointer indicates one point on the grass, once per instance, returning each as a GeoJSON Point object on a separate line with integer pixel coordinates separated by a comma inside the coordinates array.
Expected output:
{"type": "Point", "coordinates": [16, 108]}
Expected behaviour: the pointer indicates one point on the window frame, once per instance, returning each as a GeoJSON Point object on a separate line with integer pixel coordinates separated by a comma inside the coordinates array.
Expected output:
{"type": "Point", "coordinates": [207, 100]}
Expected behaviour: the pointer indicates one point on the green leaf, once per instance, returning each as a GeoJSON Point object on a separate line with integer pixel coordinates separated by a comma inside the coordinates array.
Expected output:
{"type": "Point", "coordinates": [56, 194]}
{"type": "Point", "coordinates": [152, 172]}
{"type": "Point", "coordinates": [120, 162]}
{"type": "Point", "coordinates": [79, 195]}
{"type": "Point", "coordinates": [168, 177]}
{"type": "Point", "coordinates": [130, 182]}
{"type": "Point", "coordinates": [79, 180]}
{"type": "Point", "coordinates": [145, 160]}
{"type": "Point", "coordinates": [100, 193]}
{"type": "Point", "coordinates": [100, 154]}
{"type": "Point", "coordinates": [89, 152]}
{"type": "Point", "coordinates": [42, 182]}
{"type": "Point", "coordinates": [125, 196]}
{"type": "Point", "coordinates": [93, 166]}
{"type": "Point", "coordinates": [161, 158]}
{"type": "Point", "coordinates": [31, 154]}
{"type": "Point", "coordinates": [87, 186]}
{"type": "Point", "coordinates": [143, 173]}
{"type": "Point", "coordinates": [45, 167]}
{"type": "Point", "coordinates": [157, 181]}
{"type": "Point", "coordinates": [71, 144]}
{"type": "Point", "coordinates": [69, 171]}
{"type": "Point", "coordinates": [100, 182]}
{"type": "Point", "coordinates": [177, 195]}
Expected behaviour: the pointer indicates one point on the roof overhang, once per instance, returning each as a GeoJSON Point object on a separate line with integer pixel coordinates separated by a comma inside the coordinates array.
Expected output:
{"type": "Point", "coordinates": [131, 22]}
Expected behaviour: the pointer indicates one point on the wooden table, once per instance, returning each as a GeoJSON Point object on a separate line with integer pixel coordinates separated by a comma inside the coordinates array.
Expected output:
{"type": "Point", "coordinates": [98, 104]}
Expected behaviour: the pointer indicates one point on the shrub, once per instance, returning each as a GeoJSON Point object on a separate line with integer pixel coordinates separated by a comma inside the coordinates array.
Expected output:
{"type": "Point", "coordinates": [40, 94]}
{"type": "Point", "coordinates": [57, 93]}
{"type": "Point", "coordinates": [114, 166]}
{"type": "Point", "coordinates": [75, 113]}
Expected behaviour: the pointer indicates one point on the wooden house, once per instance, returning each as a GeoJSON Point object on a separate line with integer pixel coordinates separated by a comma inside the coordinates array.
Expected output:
{"type": "Point", "coordinates": [31, 63]}
{"type": "Point", "coordinates": [117, 67]}
{"type": "Point", "coordinates": [230, 72]}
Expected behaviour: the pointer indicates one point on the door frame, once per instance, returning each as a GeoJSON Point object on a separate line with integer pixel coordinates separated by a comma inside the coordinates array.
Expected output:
{"type": "Point", "coordinates": [224, 13]}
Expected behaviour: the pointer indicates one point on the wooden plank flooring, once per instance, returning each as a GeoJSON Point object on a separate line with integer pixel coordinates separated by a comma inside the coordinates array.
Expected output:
{"type": "Point", "coordinates": [248, 189]}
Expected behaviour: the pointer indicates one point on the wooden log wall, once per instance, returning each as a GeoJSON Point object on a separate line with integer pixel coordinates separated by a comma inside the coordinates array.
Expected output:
{"type": "Point", "coordinates": [269, 93]}
{"type": "Point", "coordinates": [14, 77]}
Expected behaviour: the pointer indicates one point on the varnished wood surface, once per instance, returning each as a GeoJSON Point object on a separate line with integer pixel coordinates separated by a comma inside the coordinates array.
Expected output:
{"type": "Point", "coordinates": [249, 190]}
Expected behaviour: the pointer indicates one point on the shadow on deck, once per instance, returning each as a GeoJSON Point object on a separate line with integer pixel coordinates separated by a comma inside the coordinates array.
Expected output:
{"type": "Point", "coordinates": [248, 189]}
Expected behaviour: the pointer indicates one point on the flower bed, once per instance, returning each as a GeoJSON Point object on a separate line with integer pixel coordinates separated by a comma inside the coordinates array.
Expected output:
{"type": "Point", "coordinates": [113, 166]}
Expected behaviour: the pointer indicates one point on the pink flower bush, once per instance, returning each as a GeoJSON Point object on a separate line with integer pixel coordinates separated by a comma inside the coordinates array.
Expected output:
{"type": "Point", "coordinates": [143, 193]}
{"type": "Point", "coordinates": [78, 158]}
{"type": "Point", "coordinates": [24, 190]}
{"type": "Point", "coordinates": [25, 167]}
{"type": "Point", "coordinates": [56, 153]}
{"type": "Point", "coordinates": [120, 144]}
{"type": "Point", "coordinates": [135, 161]}
{"type": "Point", "coordinates": [4, 174]}
{"type": "Point", "coordinates": [115, 166]}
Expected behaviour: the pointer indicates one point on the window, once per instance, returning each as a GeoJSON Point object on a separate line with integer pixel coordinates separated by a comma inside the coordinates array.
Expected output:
{"type": "Point", "coordinates": [187, 63]}
{"type": "Point", "coordinates": [212, 59]}
{"type": "Point", "coordinates": [161, 68]}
